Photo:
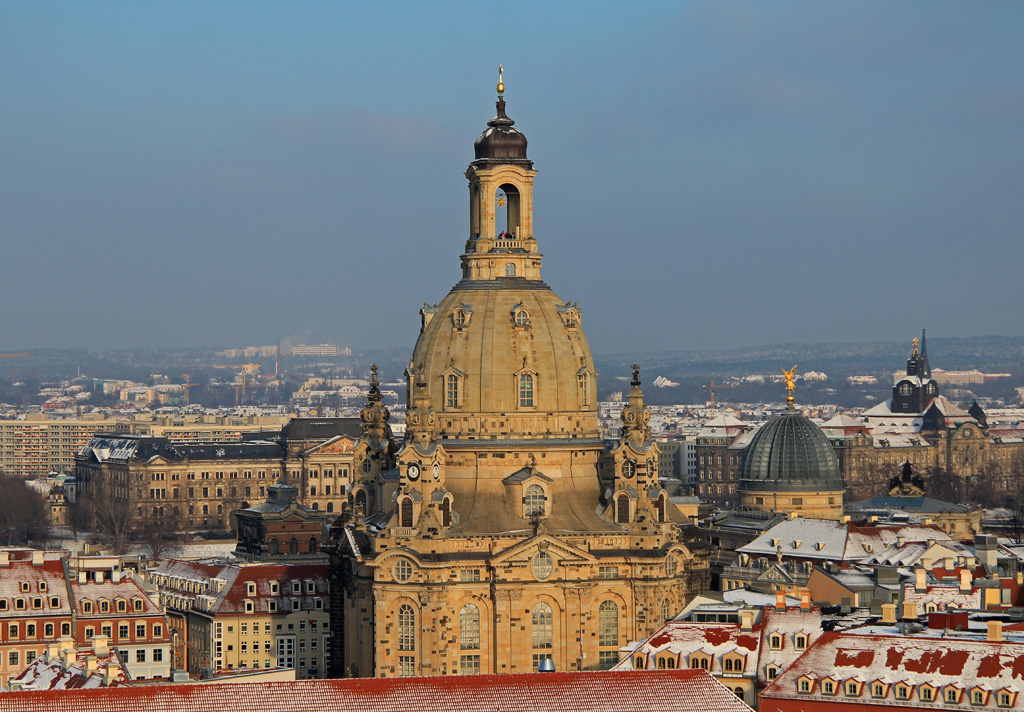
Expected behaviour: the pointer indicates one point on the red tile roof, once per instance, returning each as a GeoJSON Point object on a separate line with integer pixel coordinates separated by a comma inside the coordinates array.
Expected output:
{"type": "Point", "coordinates": [633, 691]}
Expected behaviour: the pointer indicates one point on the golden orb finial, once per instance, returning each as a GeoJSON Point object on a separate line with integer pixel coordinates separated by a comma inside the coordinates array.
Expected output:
{"type": "Point", "coordinates": [501, 84]}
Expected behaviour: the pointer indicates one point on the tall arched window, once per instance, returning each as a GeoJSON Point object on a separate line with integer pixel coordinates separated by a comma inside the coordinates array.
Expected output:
{"type": "Point", "coordinates": [469, 627]}
{"type": "Point", "coordinates": [406, 518]}
{"type": "Point", "coordinates": [274, 546]}
{"type": "Point", "coordinates": [622, 509]}
{"type": "Point", "coordinates": [510, 269]}
{"type": "Point", "coordinates": [659, 507]}
{"type": "Point", "coordinates": [293, 546]}
{"type": "Point", "coordinates": [583, 383]}
{"type": "Point", "coordinates": [361, 501]}
{"type": "Point", "coordinates": [533, 501]}
{"type": "Point", "coordinates": [446, 512]}
{"type": "Point", "coordinates": [451, 397]}
{"type": "Point", "coordinates": [608, 624]}
{"type": "Point", "coordinates": [525, 390]}
{"type": "Point", "coordinates": [406, 628]}
{"type": "Point", "coordinates": [314, 545]}
{"type": "Point", "coordinates": [542, 624]}
{"type": "Point", "coordinates": [666, 610]}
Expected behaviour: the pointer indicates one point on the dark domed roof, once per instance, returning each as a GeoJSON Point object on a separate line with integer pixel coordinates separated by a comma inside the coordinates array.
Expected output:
{"type": "Point", "coordinates": [790, 453]}
{"type": "Point", "coordinates": [500, 141]}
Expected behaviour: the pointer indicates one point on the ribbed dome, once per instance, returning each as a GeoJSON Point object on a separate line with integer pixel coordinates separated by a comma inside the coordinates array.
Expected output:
{"type": "Point", "coordinates": [499, 140]}
{"type": "Point", "coordinates": [790, 453]}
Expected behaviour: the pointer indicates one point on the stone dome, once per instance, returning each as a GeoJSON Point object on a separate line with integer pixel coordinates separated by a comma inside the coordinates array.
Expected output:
{"type": "Point", "coordinates": [487, 333]}
{"type": "Point", "coordinates": [499, 141]}
{"type": "Point", "coordinates": [788, 454]}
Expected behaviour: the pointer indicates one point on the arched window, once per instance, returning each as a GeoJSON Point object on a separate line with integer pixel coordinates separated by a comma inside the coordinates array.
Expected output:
{"type": "Point", "coordinates": [446, 512]}
{"type": "Point", "coordinates": [510, 269]}
{"type": "Point", "coordinates": [330, 507]}
{"type": "Point", "coordinates": [451, 398]}
{"type": "Point", "coordinates": [622, 509]}
{"type": "Point", "coordinates": [314, 546]}
{"type": "Point", "coordinates": [666, 610]}
{"type": "Point", "coordinates": [525, 390]}
{"type": "Point", "coordinates": [583, 384]}
{"type": "Point", "coordinates": [522, 317]}
{"type": "Point", "coordinates": [608, 624]}
{"type": "Point", "coordinates": [406, 628]}
{"type": "Point", "coordinates": [542, 625]}
{"type": "Point", "coordinates": [274, 546]}
{"type": "Point", "coordinates": [659, 507]}
{"type": "Point", "coordinates": [406, 514]}
{"type": "Point", "coordinates": [469, 627]}
{"type": "Point", "coordinates": [533, 501]}
{"type": "Point", "coordinates": [361, 501]}
{"type": "Point", "coordinates": [904, 389]}
{"type": "Point", "coordinates": [293, 546]}
{"type": "Point", "coordinates": [738, 691]}
{"type": "Point", "coordinates": [638, 663]}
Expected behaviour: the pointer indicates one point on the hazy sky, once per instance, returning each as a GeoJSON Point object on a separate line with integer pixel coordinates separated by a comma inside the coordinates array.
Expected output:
{"type": "Point", "coordinates": [712, 174]}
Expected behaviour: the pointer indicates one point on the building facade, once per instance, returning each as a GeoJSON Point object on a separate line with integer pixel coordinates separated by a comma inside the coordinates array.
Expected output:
{"type": "Point", "coordinates": [503, 534]}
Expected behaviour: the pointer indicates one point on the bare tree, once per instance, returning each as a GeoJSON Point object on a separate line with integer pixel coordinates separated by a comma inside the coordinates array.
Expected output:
{"type": "Point", "coordinates": [23, 516]}
{"type": "Point", "coordinates": [113, 501]}
{"type": "Point", "coordinates": [158, 529]}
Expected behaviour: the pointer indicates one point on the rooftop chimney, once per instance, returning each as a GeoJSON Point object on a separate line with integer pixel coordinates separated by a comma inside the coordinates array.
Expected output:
{"type": "Point", "coordinates": [91, 665]}
{"type": "Point", "coordinates": [100, 646]}
{"type": "Point", "coordinates": [805, 600]}
{"type": "Point", "coordinates": [966, 581]}
{"type": "Point", "coordinates": [109, 674]}
{"type": "Point", "coordinates": [37, 557]}
{"type": "Point", "coordinates": [115, 576]}
{"type": "Point", "coordinates": [746, 619]}
{"type": "Point", "coordinates": [900, 541]}
{"type": "Point", "coordinates": [909, 611]}
{"type": "Point", "coordinates": [995, 631]}
{"type": "Point", "coordinates": [889, 613]}
{"type": "Point", "coordinates": [780, 600]}
{"type": "Point", "coordinates": [921, 583]}
{"type": "Point", "coordinates": [5, 559]}
{"type": "Point", "coordinates": [99, 577]}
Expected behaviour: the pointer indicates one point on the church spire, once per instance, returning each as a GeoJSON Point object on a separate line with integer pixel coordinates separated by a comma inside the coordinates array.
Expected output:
{"type": "Point", "coordinates": [636, 416]}
{"type": "Point", "coordinates": [375, 414]}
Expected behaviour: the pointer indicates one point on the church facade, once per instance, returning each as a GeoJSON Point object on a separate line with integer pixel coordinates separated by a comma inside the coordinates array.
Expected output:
{"type": "Point", "coordinates": [503, 535]}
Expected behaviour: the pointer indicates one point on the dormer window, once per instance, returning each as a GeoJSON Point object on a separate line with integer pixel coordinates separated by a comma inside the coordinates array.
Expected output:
{"type": "Point", "coordinates": [828, 687]}
{"type": "Point", "coordinates": [525, 390]}
{"type": "Point", "coordinates": [775, 641]}
{"type": "Point", "coordinates": [904, 389]}
{"type": "Point", "coordinates": [804, 686]}
{"type": "Point", "coordinates": [451, 391]}
{"type": "Point", "coordinates": [533, 501]}
{"type": "Point", "coordinates": [250, 588]}
{"type": "Point", "coordinates": [878, 690]}
{"type": "Point", "coordinates": [852, 689]}
{"type": "Point", "coordinates": [800, 641]}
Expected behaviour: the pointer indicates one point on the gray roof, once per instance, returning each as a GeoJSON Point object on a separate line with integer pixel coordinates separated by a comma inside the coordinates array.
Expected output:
{"type": "Point", "coordinates": [790, 453]}
{"type": "Point", "coordinates": [920, 505]}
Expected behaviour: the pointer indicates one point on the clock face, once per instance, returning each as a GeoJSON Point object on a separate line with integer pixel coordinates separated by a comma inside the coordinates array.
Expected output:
{"type": "Point", "coordinates": [437, 471]}
{"type": "Point", "coordinates": [413, 472]}
{"type": "Point", "coordinates": [629, 416]}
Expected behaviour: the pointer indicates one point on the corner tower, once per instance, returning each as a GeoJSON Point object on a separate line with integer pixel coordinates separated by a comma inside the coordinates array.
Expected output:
{"type": "Point", "coordinates": [491, 544]}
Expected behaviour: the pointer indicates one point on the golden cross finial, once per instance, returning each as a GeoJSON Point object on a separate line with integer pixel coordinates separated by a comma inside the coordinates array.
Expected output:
{"type": "Point", "coordinates": [501, 84]}
{"type": "Point", "coordinates": [790, 384]}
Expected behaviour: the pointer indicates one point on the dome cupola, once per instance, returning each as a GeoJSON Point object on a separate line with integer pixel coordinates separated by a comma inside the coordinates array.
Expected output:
{"type": "Point", "coordinates": [499, 141]}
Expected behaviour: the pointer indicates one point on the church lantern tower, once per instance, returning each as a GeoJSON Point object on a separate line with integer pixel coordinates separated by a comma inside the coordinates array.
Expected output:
{"type": "Point", "coordinates": [492, 545]}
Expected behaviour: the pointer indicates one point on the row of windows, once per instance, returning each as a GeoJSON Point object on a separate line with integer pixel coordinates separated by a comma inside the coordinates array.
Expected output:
{"type": "Point", "coordinates": [541, 626]}
{"type": "Point", "coordinates": [525, 383]}
{"type": "Point", "coordinates": [904, 691]}
{"type": "Point", "coordinates": [22, 604]}
{"type": "Point", "coordinates": [32, 629]}
{"type": "Point", "coordinates": [120, 604]}
{"type": "Point", "coordinates": [124, 631]}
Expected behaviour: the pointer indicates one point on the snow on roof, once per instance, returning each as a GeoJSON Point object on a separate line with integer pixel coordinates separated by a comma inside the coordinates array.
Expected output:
{"type": "Point", "coordinates": [787, 624]}
{"type": "Point", "coordinates": [941, 597]}
{"type": "Point", "coordinates": [916, 659]}
{"type": "Point", "coordinates": [681, 639]}
{"type": "Point", "coordinates": [822, 539]}
{"type": "Point", "coordinates": [23, 579]}
{"type": "Point", "coordinates": [629, 691]}
{"type": "Point", "coordinates": [127, 589]}
{"type": "Point", "coordinates": [42, 674]}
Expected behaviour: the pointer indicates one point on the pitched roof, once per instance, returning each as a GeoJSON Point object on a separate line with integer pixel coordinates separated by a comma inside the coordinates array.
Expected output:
{"type": "Point", "coordinates": [682, 638]}
{"type": "Point", "coordinates": [639, 691]}
{"type": "Point", "coordinates": [916, 659]}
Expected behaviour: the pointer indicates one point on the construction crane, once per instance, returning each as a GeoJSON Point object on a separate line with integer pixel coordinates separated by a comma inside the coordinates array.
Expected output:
{"type": "Point", "coordinates": [712, 387]}
{"type": "Point", "coordinates": [15, 370]}
{"type": "Point", "coordinates": [188, 388]}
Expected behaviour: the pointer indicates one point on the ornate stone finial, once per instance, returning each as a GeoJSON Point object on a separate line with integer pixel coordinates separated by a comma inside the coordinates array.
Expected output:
{"type": "Point", "coordinates": [790, 384]}
{"type": "Point", "coordinates": [501, 84]}
{"type": "Point", "coordinates": [916, 353]}
{"type": "Point", "coordinates": [636, 375]}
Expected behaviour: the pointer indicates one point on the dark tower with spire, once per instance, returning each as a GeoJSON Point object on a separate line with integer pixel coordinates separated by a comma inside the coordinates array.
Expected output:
{"type": "Point", "coordinates": [917, 389]}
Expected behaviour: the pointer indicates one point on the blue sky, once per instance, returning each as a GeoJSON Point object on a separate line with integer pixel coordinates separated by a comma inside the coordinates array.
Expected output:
{"type": "Point", "coordinates": [712, 174]}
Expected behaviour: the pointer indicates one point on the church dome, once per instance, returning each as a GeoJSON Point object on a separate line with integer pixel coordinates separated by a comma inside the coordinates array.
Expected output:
{"type": "Point", "coordinates": [790, 453]}
{"type": "Point", "coordinates": [499, 141]}
{"type": "Point", "coordinates": [507, 358]}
